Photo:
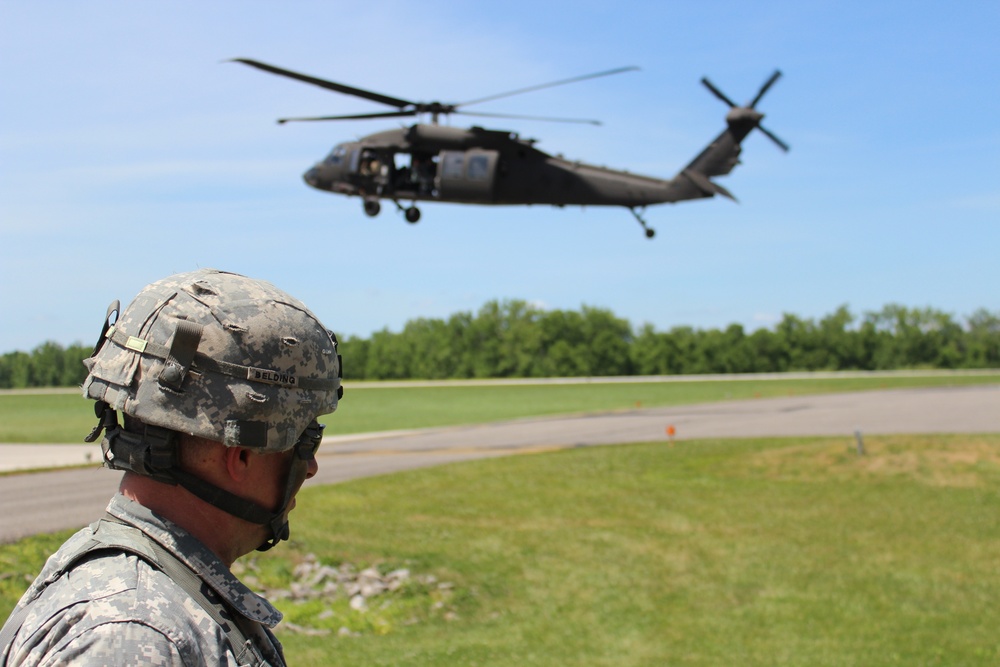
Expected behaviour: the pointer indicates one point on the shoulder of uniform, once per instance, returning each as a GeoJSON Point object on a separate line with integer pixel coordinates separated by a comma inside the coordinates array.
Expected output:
{"type": "Point", "coordinates": [136, 615]}
{"type": "Point", "coordinates": [125, 642]}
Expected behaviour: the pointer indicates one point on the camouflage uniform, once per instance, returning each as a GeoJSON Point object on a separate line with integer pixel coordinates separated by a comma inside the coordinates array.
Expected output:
{"type": "Point", "coordinates": [114, 608]}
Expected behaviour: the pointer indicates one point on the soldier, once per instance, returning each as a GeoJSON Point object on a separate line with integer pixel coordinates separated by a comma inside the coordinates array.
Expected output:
{"type": "Point", "coordinates": [219, 379]}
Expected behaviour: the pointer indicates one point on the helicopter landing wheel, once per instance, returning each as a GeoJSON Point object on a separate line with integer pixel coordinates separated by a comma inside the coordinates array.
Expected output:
{"type": "Point", "coordinates": [372, 207]}
{"type": "Point", "coordinates": [650, 233]}
{"type": "Point", "coordinates": [412, 215]}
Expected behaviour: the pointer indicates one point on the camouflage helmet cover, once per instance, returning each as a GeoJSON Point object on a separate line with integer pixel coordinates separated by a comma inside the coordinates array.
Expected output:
{"type": "Point", "coordinates": [221, 356]}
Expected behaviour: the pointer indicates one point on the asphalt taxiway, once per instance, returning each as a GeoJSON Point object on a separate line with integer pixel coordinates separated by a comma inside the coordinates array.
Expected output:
{"type": "Point", "coordinates": [39, 502]}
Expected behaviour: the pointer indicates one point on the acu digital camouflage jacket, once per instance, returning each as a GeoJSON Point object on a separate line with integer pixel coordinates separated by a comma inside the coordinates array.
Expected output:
{"type": "Point", "coordinates": [115, 608]}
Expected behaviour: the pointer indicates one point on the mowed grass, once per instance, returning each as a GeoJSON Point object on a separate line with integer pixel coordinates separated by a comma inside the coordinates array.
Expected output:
{"type": "Point", "coordinates": [66, 417]}
{"type": "Point", "coordinates": [740, 552]}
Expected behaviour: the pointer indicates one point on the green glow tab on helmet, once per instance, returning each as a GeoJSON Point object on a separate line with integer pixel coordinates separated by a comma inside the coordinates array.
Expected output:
{"type": "Point", "coordinates": [137, 344]}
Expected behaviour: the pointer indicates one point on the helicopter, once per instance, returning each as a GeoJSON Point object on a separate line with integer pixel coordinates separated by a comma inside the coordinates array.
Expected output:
{"type": "Point", "coordinates": [475, 165]}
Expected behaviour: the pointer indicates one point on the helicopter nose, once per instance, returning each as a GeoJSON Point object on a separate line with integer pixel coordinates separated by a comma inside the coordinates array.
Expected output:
{"type": "Point", "coordinates": [311, 177]}
{"type": "Point", "coordinates": [318, 178]}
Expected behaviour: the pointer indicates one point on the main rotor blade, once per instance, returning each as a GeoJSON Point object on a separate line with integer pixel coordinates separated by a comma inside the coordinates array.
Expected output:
{"type": "Point", "coordinates": [718, 93]}
{"type": "Point", "coordinates": [545, 118]}
{"type": "Point", "coordinates": [329, 85]}
{"type": "Point", "coordinates": [618, 70]}
{"type": "Point", "coordinates": [770, 135]}
{"type": "Point", "coordinates": [765, 87]}
{"type": "Point", "coordinates": [384, 114]}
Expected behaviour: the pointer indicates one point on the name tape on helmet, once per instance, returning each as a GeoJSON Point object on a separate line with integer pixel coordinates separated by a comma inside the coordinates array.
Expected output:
{"type": "Point", "coordinates": [271, 377]}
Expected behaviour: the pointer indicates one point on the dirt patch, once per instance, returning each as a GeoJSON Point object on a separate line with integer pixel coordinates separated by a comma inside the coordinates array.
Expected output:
{"type": "Point", "coordinates": [951, 461]}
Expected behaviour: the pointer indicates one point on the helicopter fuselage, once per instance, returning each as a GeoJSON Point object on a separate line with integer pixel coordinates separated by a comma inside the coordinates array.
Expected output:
{"type": "Point", "coordinates": [475, 166]}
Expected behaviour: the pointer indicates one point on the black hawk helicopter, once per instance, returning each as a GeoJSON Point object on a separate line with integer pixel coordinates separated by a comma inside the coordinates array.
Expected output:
{"type": "Point", "coordinates": [431, 162]}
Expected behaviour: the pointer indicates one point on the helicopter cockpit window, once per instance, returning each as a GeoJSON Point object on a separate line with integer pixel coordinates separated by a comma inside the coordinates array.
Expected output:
{"type": "Point", "coordinates": [336, 156]}
{"type": "Point", "coordinates": [479, 168]}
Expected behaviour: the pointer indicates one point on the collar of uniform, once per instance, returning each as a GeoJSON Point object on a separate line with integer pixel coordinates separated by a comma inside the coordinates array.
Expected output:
{"type": "Point", "coordinates": [197, 556]}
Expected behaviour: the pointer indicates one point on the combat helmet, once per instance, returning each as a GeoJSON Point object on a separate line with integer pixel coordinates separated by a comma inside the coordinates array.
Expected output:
{"type": "Point", "coordinates": [215, 355]}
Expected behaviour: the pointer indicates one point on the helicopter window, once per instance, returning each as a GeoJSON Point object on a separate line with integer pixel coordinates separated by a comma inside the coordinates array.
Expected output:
{"type": "Point", "coordinates": [371, 163]}
{"type": "Point", "coordinates": [452, 165]}
{"type": "Point", "coordinates": [479, 168]}
{"type": "Point", "coordinates": [336, 155]}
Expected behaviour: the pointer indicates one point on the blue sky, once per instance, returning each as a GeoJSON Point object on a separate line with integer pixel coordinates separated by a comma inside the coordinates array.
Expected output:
{"type": "Point", "coordinates": [129, 150]}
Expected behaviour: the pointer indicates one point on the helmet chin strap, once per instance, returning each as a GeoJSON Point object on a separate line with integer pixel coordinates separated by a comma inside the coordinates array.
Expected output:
{"type": "Point", "coordinates": [303, 452]}
{"type": "Point", "coordinates": [241, 508]}
{"type": "Point", "coordinates": [153, 453]}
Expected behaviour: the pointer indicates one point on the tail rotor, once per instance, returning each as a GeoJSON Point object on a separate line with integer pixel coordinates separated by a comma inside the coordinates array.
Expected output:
{"type": "Point", "coordinates": [749, 112]}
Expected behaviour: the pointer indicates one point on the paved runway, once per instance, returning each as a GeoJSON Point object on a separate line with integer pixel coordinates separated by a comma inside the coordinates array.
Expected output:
{"type": "Point", "coordinates": [48, 501]}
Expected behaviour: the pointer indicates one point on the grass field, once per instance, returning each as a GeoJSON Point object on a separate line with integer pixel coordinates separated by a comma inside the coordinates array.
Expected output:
{"type": "Point", "coordinates": [367, 407]}
{"type": "Point", "coordinates": [747, 552]}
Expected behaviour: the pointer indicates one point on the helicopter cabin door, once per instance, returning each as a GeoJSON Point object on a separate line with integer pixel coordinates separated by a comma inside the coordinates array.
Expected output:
{"type": "Point", "coordinates": [467, 175]}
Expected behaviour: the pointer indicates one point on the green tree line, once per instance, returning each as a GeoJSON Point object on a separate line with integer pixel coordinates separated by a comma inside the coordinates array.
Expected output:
{"type": "Point", "coordinates": [48, 365]}
{"type": "Point", "coordinates": [512, 338]}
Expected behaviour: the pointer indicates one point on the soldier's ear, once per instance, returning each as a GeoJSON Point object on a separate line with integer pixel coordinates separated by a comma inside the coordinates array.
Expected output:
{"type": "Point", "coordinates": [238, 461]}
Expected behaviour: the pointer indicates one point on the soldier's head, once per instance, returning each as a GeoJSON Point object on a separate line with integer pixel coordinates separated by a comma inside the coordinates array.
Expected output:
{"type": "Point", "coordinates": [213, 356]}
